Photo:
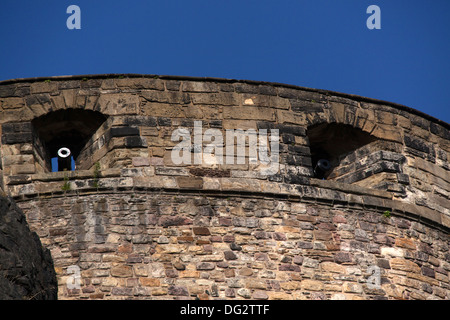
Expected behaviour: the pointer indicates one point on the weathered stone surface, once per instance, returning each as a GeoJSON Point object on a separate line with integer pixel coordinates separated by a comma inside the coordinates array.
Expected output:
{"type": "Point", "coordinates": [230, 255]}
{"type": "Point", "coordinates": [202, 231]}
{"type": "Point", "coordinates": [122, 271]}
{"type": "Point", "coordinates": [311, 285]}
{"type": "Point", "coordinates": [393, 252]}
{"type": "Point", "coordinates": [174, 221]}
{"type": "Point", "coordinates": [178, 291]}
{"type": "Point", "coordinates": [244, 259]}
{"type": "Point", "coordinates": [206, 266]}
{"type": "Point", "coordinates": [404, 265]}
{"type": "Point", "coordinates": [332, 267]}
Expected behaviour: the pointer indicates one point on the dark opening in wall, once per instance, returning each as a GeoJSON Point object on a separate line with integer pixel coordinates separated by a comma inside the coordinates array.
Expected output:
{"type": "Point", "coordinates": [331, 142]}
{"type": "Point", "coordinates": [61, 135]}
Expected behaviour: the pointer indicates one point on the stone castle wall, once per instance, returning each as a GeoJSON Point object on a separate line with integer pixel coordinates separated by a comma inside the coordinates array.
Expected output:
{"type": "Point", "coordinates": [137, 225]}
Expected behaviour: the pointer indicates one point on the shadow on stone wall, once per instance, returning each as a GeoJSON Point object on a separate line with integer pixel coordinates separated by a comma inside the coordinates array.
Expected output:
{"type": "Point", "coordinates": [26, 268]}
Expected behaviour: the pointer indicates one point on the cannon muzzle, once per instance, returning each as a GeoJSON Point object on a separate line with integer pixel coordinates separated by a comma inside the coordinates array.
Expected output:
{"type": "Point", "coordinates": [64, 159]}
{"type": "Point", "coordinates": [322, 166]}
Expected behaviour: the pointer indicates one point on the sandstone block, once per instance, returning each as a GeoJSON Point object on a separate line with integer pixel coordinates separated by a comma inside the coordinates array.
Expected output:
{"type": "Point", "coordinates": [149, 282]}
{"type": "Point", "coordinates": [352, 287]}
{"type": "Point", "coordinates": [343, 257]}
{"type": "Point", "coordinates": [159, 291]}
{"type": "Point", "coordinates": [260, 295]}
{"type": "Point", "coordinates": [112, 258]}
{"type": "Point", "coordinates": [255, 284]}
{"type": "Point", "coordinates": [393, 252]}
{"type": "Point", "coordinates": [405, 243]}
{"type": "Point", "coordinates": [167, 221]}
{"type": "Point", "coordinates": [328, 266]}
{"type": "Point", "coordinates": [290, 285]}
{"type": "Point", "coordinates": [404, 265]}
{"type": "Point", "coordinates": [193, 86]}
{"type": "Point", "coordinates": [122, 271]}
{"type": "Point", "coordinates": [201, 231]}
{"type": "Point", "coordinates": [178, 291]}
{"type": "Point", "coordinates": [311, 285]}
{"type": "Point", "coordinates": [140, 162]}
{"type": "Point", "coordinates": [205, 266]}
{"type": "Point", "coordinates": [230, 255]}
{"type": "Point", "coordinates": [190, 182]}
{"type": "Point", "coordinates": [220, 98]}
{"type": "Point", "coordinates": [189, 274]}
{"type": "Point", "coordinates": [279, 296]}
{"type": "Point", "coordinates": [172, 248]}
{"type": "Point", "coordinates": [250, 113]}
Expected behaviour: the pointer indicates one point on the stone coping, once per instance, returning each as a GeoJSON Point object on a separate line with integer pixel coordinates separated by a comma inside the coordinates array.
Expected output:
{"type": "Point", "coordinates": [225, 80]}
{"type": "Point", "coordinates": [317, 191]}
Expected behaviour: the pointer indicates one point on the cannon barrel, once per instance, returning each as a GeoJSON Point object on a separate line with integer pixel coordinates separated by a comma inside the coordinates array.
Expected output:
{"type": "Point", "coordinates": [322, 166]}
{"type": "Point", "coordinates": [64, 159]}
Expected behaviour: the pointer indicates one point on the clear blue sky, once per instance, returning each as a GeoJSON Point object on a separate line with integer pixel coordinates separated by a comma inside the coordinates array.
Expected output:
{"type": "Point", "coordinates": [321, 44]}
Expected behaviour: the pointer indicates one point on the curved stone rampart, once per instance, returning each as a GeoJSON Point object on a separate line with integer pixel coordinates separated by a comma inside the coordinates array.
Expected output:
{"type": "Point", "coordinates": [167, 202]}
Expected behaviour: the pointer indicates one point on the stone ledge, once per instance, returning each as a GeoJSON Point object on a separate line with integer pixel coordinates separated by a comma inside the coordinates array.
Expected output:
{"type": "Point", "coordinates": [77, 174]}
{"type": "Point", "coordinates": [328, 184]}
{"type": "Point", "coordinates": [319, 191]}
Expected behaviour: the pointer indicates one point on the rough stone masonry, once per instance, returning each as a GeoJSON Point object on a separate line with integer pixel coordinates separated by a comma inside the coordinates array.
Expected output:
{"type": "Point", "coordinates": [374, 225]}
